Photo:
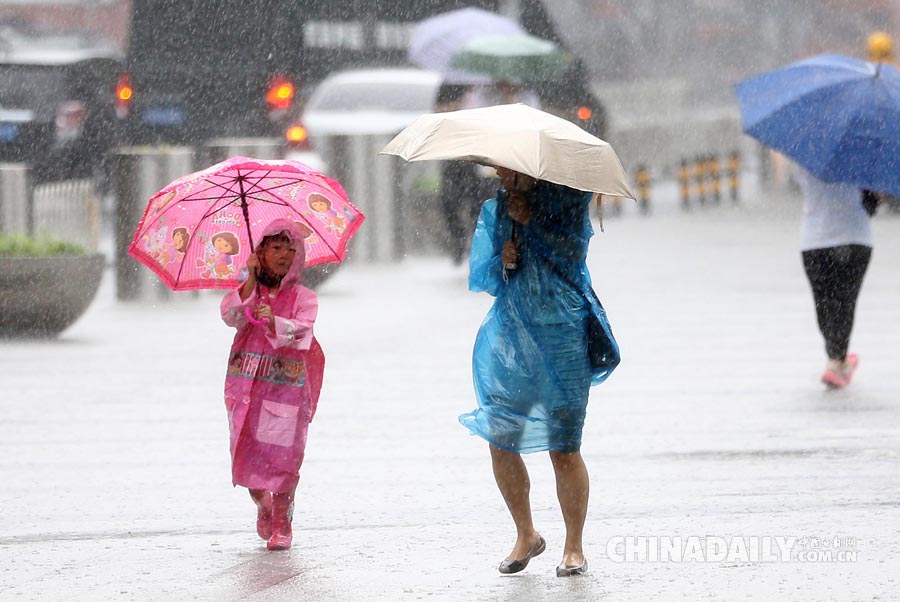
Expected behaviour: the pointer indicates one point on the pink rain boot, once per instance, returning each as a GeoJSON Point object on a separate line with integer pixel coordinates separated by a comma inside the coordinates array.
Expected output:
{"type": "Point", "coordinates": [282, 514]}
{"type": "Point", "coordinates": [833, 379]}
{"type": "Point", "coordinates": [263, 500]}
{"type": "Point", "coordinates": [849, 367]}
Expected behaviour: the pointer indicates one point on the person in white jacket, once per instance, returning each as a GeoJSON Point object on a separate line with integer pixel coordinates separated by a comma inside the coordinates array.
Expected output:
{"type": "Point", "coordinates": [836, 246]}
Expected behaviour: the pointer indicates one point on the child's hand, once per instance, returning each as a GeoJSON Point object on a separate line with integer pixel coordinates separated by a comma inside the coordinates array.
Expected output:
{"type": "Point", "coordinates": [252, 265]}
{"type": "Point", "coordinates": [264, 312]}
{"type": "Point", "coordinates": [252, 270]}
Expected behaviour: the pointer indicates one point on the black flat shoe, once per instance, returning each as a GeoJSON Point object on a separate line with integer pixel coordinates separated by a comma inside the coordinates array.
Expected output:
{"type": "Point", "coordinates": [514, 566]}
{"type": "Point", "coordinates": [564, 570]}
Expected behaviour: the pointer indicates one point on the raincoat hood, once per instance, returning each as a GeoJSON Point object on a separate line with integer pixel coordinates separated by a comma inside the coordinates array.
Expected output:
{"type": "Point", "coordinates": [293, 232]}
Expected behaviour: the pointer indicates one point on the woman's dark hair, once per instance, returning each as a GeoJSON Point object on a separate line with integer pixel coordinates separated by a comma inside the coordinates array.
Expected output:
{"type": "Point", "coordinates": [870, 201]}
{"type": "Point", "coordinates": [451, 93]}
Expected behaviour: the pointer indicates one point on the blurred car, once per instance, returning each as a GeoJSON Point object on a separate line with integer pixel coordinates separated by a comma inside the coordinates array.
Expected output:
{"type": "Point", "coordinates": [57, 103]}
{"type": "Point", "coordinates": [357, 102]}
{"type": "Point", "coordinates": [370, 101]}
{"type": "Point", "coordinates": [360, 101]}
{"type": "Point", "coordinates": [298, 147]}
{"type": "Point", "coordinates": [572, 99]}
{"type": "Point", "coordinates": [198, 71]}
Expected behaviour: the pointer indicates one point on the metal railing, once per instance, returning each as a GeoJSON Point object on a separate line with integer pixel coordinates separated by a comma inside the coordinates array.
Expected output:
{"type": "Point", "coordinates": [67, 210]}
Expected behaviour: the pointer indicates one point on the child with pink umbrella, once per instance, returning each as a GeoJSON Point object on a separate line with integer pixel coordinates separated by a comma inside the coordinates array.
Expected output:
{"type": "Point", "coordinates": [274, 377]}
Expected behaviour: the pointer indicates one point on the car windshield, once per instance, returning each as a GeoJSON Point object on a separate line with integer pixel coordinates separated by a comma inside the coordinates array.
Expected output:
{"type": "Point", "coordinates": [387, 96]}
{"type": "Point", "coordinates": [37, 89]}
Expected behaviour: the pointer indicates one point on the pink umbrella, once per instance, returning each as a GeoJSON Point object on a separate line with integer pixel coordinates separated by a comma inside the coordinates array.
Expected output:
{"type": "Point", "coordinates": [197, 232]}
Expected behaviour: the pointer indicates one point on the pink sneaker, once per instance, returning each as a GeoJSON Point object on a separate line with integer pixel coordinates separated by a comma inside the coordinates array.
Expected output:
{"type": "Point", "coordinates": [850, 365]}
{"type": "Point", "coordinates": [834, 380]}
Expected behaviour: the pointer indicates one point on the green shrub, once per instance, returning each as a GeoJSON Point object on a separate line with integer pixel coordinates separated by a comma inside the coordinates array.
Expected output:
{"type": "Point", "coordinates": [21, 245]}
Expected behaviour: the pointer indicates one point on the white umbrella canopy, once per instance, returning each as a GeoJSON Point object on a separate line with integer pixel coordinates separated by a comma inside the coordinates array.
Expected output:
{"type": "Point", "coordinates": [435, 41]}
{"type": "Point", "coordinates": [520, 138]}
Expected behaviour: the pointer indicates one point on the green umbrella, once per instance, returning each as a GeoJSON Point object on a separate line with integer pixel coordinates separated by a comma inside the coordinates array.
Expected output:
{"type": "Point", "coordinates": [513, 57]}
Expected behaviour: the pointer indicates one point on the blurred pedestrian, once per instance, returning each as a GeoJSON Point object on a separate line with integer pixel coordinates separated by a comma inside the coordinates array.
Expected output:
{"type": "Point", "coordinates": [274, 376]}
{"type": "Point", "coordinates": [460, 183]}
{"type": "Point", "coordinates": [502, 92]}
{"type": "Point", "coordinates": [572, 98]}
{"type": "Point", "coordinates": [543, 343]}
{"type": "Point", "coordinates": [507, 92]}
{"type": "Point", "coordinates": [836, 245]}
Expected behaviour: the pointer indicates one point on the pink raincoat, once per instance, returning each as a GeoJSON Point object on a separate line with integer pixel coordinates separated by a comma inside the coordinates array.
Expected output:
{"type": "Point", "coordinates": [273, 380]}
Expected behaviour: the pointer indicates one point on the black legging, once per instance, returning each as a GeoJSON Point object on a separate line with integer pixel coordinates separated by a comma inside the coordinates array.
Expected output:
{"type": "Point", "coordinates": [836, 275]}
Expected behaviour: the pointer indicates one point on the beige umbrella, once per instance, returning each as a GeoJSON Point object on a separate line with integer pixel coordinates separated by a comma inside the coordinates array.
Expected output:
{"type": "Point", "coordinates": [520, 138]}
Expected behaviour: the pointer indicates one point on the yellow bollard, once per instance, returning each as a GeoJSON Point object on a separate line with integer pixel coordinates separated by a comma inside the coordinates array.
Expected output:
{"type": "Point", "coordinates": [642, 178]}
{"type": "Point", "coordinates": [715, 178]}
{"type": "Point", "coordinates": [700, 179]}
{"type": "Point", "coordinates": [684, 181]}
{"type": "Point", "coordinates": [734, 175]}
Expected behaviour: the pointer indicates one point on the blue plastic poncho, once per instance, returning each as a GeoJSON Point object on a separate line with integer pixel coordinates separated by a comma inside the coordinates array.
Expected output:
{"type": "Point", "coordinates": [530, 364]}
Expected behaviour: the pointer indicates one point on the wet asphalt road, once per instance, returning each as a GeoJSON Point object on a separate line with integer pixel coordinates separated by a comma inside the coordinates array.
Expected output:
{"type": "Point", "coordinates": [114, 444]}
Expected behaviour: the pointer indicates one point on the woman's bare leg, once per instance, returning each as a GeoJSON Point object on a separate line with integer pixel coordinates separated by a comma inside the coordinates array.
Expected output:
{"type": "Point", "coordinates": [513, 482]}
{"type": "Point", "coordinates": [572, 488]}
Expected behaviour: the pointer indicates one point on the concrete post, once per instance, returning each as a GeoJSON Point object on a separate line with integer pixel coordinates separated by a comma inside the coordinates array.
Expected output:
{"type": "Point", "coordinates": [15, 199]}
{"type": "Point", "coordinates": [372, 183]}
{"type": "Point", "coordinates": [139, 173]}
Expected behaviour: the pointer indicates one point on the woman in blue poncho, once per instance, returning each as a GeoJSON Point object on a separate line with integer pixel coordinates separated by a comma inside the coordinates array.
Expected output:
{"type": "Point", "coordinates": [531, 365]}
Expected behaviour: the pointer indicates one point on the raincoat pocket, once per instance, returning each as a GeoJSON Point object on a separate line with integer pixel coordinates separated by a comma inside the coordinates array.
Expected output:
{"type": "Point", "coordinates": [277, 423]}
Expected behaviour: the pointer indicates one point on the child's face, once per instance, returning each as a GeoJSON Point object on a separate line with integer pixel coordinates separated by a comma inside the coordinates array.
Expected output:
{"type": "Point", "coordinates": [320, 206]}
{"type": "Point", "coordinates": [222, 245]}
{"type": "Point", "coordinates": [180, 242]}
{"type": "Point", "coordinates": [278, 256]}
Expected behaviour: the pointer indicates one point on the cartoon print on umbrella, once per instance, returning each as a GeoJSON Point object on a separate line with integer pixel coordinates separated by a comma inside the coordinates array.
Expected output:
{"type": "Point", "coordinates": [222, 246]}
{"type": "Point", "coordinates": [334, 221]}
{"type": "Point", "coordinates": [155, 243]}
{"type": "Point", "coordinates": [309, 236]}
{"type": "Point", "coordinates": [217, 212]}
{"type": "Point", "coordinates": [180, 240]}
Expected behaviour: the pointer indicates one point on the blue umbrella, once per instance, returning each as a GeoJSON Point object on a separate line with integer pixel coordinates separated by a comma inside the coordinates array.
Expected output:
{"type": "Point", "coordinates": [836, 116]}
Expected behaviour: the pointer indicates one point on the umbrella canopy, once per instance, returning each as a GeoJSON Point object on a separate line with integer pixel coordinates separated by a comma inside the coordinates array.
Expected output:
{"type": "Point", "coordinates": [520, 138]}
{"type": "Point", "coordinates": [197, 232]}
{"type": "Point", "coordinates": [435, 41]}
{"type": "Point", "coordinates": [836, 116]}
{"type": "Point", "coordinates": [514, 57]}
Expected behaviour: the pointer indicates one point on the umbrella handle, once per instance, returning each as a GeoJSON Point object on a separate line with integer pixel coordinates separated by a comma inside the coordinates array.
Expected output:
{"type": "Point", "coordinates": [253, 320]}
{"type": "Point", "coordinates": [508, 267]}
